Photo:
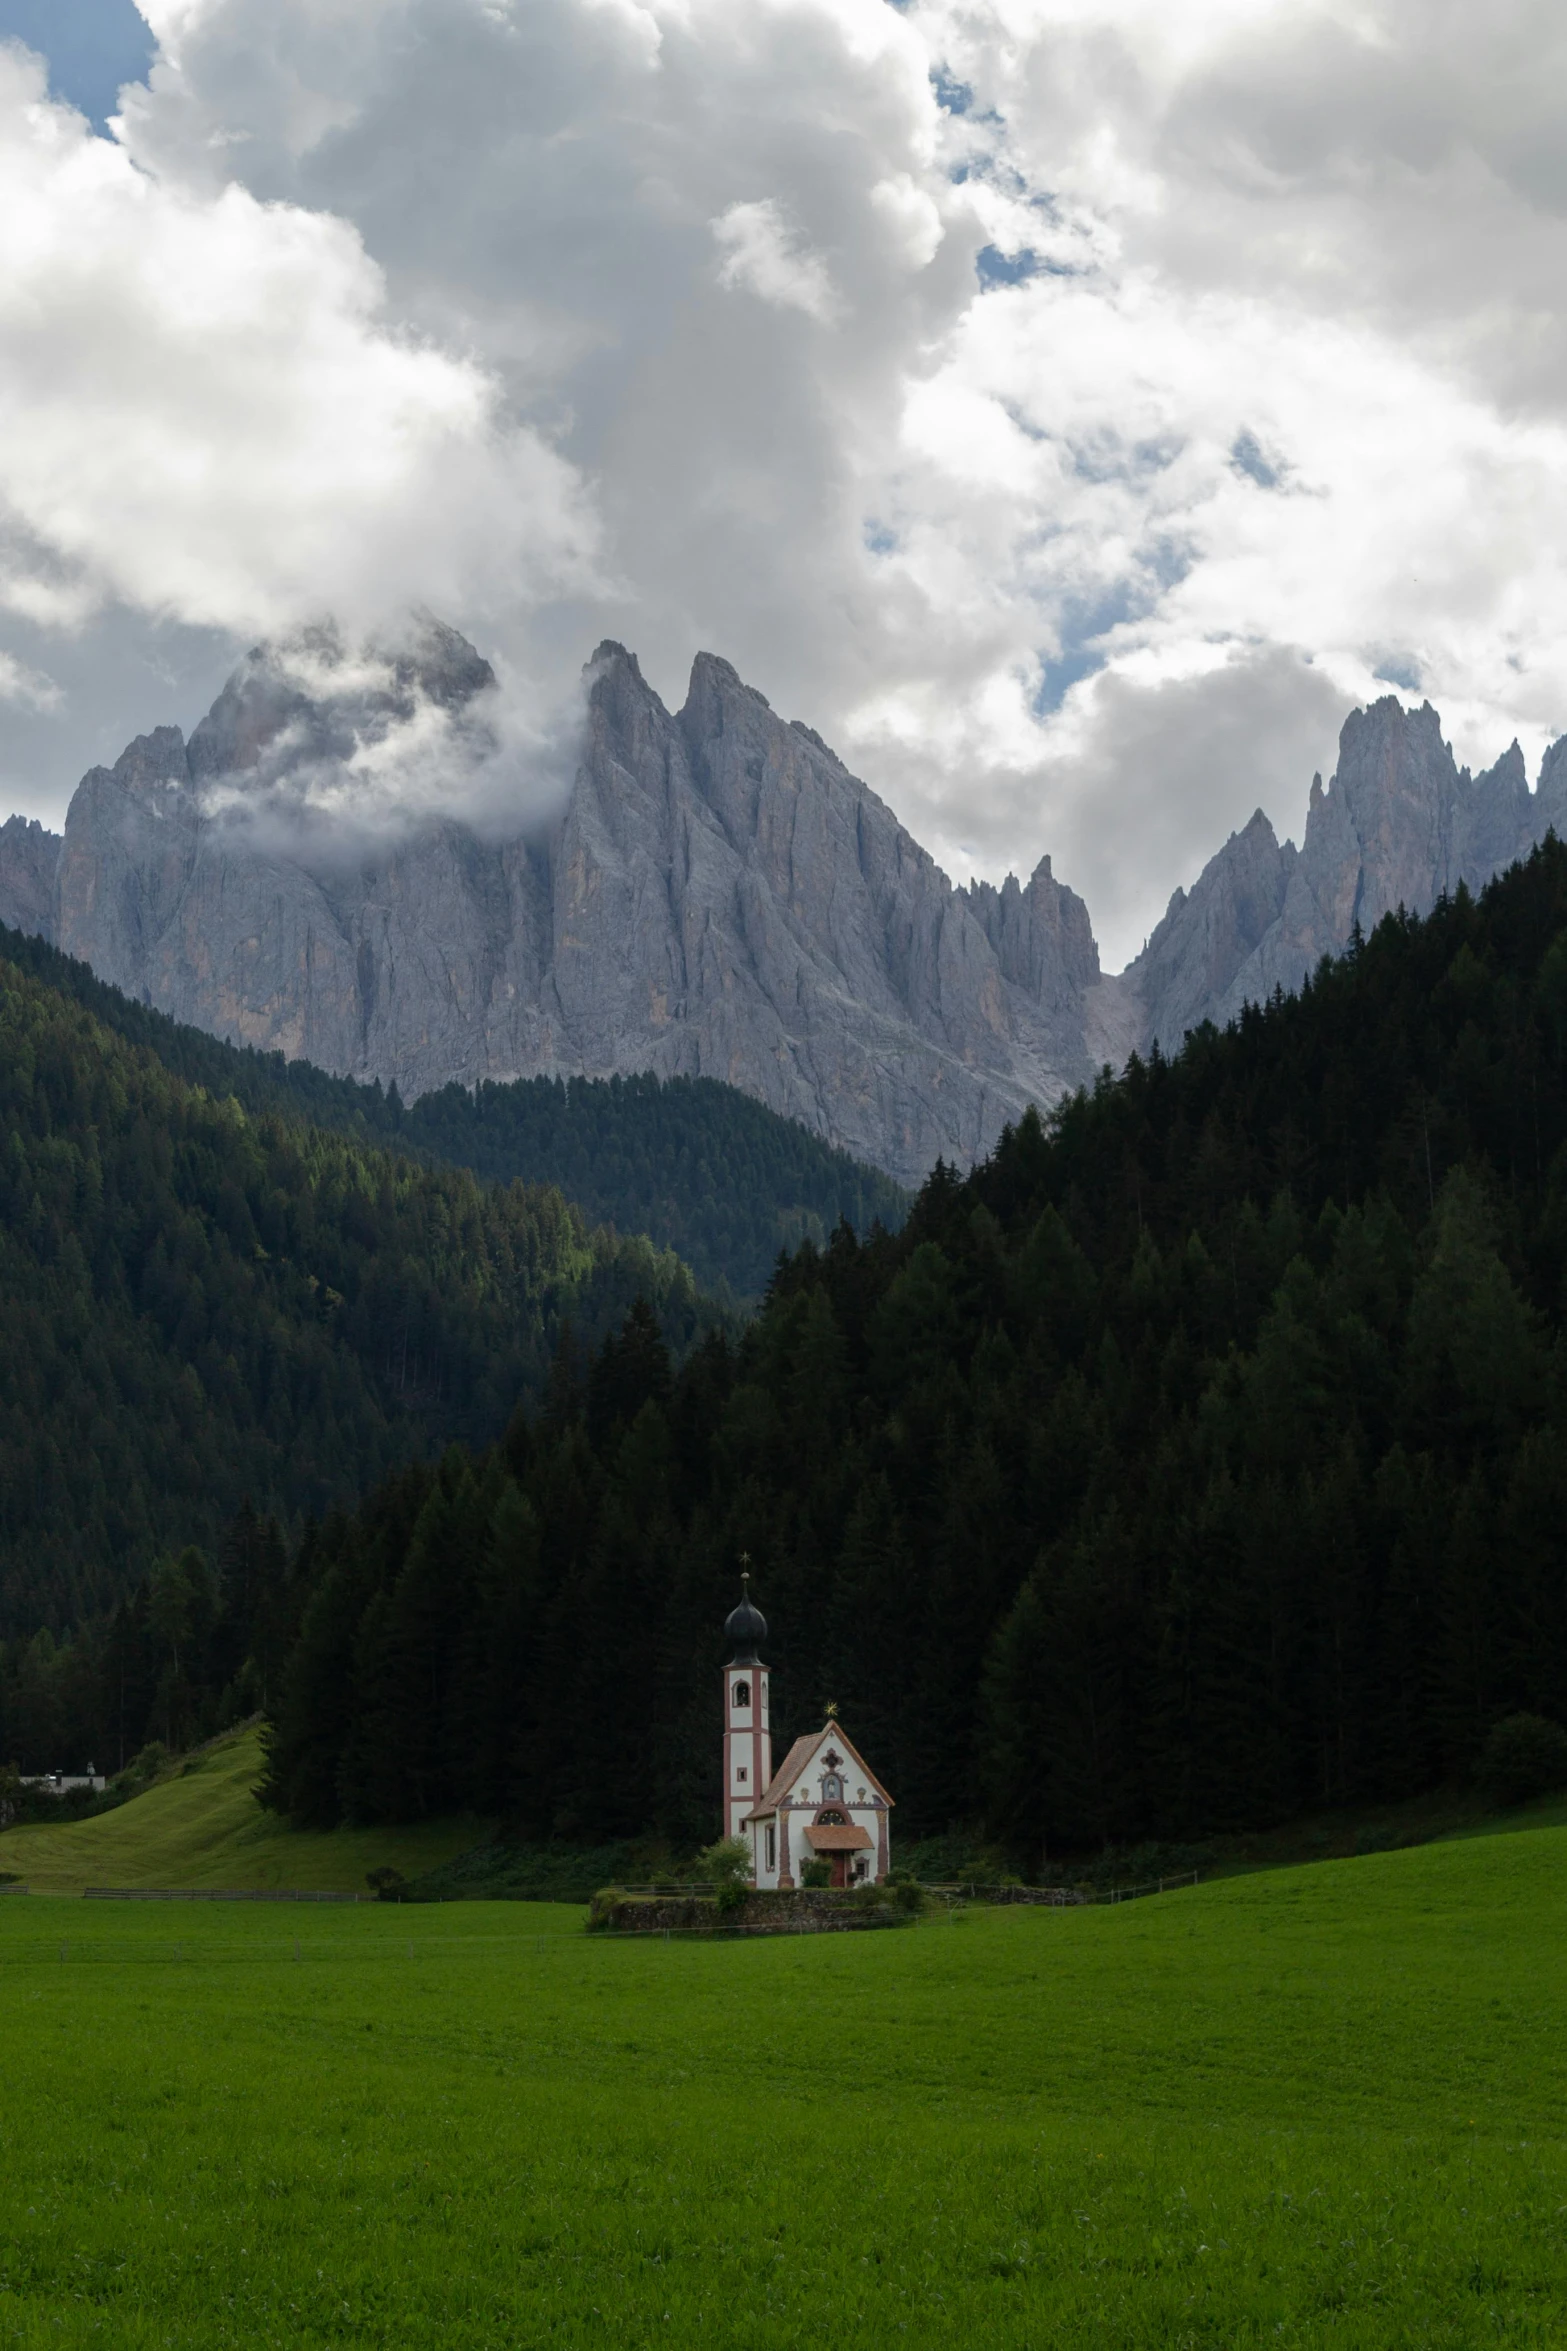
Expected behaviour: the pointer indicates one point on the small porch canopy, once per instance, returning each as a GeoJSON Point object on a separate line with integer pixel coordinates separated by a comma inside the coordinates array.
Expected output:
{"type": "Point", "coordinates": [824, 1837]}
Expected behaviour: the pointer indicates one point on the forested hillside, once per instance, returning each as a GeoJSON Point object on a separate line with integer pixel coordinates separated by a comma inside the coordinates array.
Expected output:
{"type": "Point", "coordinates": [703, 1168]}
{"type": "Point", "coordinates": [200, 1304]}
{"type": "Point", "coordinates": [1197, 1461]}
{"type": "Point", "coordinates": [699, 1167]}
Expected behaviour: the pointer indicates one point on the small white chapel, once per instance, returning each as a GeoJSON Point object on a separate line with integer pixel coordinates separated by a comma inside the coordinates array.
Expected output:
{"type": "Point", "coordinates": [823, 1803]}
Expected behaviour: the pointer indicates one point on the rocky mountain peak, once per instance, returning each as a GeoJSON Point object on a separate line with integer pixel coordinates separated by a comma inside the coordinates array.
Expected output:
{"type": "Point", "coordinates": [1398, 787]}
{"type": "Point", "coordinates": [28, 857]}
{"type": "Point", "coordinates": [153, 764]}
{"type": "Point", "coordinates": [1551, 792]}
{"type": "Point", "coordinates": [1399, 824]}
{"type": "Point", "coordinates": [1041, 936]}
{"type": "Point", "coordinates": [1212, 931]}
{"type": "Point", "coordinates": [718, 895]}
{"type": "Point", "coordinates": [313, 700]}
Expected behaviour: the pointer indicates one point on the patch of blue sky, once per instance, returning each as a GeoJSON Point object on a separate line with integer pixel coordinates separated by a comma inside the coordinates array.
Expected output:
{"type": "Point", "coordinates": [1401, 670]}
{"type": "Point", "coordinates": [1168, 561]}
{"type": "Point", "coordinates": [992, 267]}
{"type": "Point", "coordinates": [1058, 675]}
{"type": "Point", "coordinates": [1084, 627]}
{"type": "Point", "coordinates": [93, 47]}
{"type": "Point", "coordinates": [1087, 623]}
{"type": "Point", "coordinates": [1248, 457]}
{"type": "Point", "coordinates": [952, 96]}
{"type": "Point", "coordinates": [878, 538]}
{"type": "Point", "coordinates": [1107, 458]}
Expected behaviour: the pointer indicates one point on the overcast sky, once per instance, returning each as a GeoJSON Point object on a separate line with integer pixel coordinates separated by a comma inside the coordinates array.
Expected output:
{"type": "Point", "coordinates": [1071, 408]}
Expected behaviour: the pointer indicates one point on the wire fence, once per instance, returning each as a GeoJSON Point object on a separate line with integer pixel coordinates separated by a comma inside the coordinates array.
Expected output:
{"type": "Point", "coordinates": [1062, 1897]}
{"type": "Point", "coordinates": [1040, 1897]}
{"type": "Point", "coordinates": [427, 1947]}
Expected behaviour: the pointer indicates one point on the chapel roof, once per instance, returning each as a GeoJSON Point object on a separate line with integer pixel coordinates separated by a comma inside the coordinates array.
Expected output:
{"type": "Point", "coordinates": [796, 1761]}
{"type": "Point", "coordinates": [785, 1776]}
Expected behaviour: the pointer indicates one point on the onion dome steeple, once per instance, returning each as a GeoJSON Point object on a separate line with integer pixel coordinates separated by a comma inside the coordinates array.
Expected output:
{"type": "Point", "coordinates": [745, 1627]}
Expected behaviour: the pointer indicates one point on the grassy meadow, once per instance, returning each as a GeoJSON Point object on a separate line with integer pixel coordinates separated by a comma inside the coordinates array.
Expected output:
{"type": "Point", "coordinates": [1312, 2107]}
{"type": "Point", "coordinates": [202, 1827]}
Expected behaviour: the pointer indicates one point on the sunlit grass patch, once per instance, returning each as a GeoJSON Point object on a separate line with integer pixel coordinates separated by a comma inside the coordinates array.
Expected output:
{"type": "Point", "coordinates": [1321, 2107]}
{"type": "Point", "coordinates": [202, 1827]}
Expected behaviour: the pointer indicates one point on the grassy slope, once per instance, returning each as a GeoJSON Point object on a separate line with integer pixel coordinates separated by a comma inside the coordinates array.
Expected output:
{"type": "Point", "coordinates": [203, 1827]}
{"type": "Point", "coordinates": [1318, 2107]}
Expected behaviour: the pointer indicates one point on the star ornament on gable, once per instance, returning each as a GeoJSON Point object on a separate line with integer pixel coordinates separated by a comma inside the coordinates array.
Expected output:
{"type": "Point", "coordinates": [832, 1710]}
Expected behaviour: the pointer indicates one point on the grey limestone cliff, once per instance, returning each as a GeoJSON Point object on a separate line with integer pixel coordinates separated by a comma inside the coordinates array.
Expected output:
{"type": "Point", "coordinates": [718, 896]}
{"type": "Point", "coordinates": [1399, 825]}
{"type": "Point", "coordinates": [28, 857]}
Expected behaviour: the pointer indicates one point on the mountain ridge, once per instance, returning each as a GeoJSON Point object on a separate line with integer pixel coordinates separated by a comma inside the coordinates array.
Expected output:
{"type": "Point", "coordinates": [695, 1166]}
{"type": "Point", "coordinates": [718, 897]}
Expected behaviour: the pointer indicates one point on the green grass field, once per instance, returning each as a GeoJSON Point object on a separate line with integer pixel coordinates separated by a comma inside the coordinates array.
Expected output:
{"type": "Point", "coordinates": [1313, 2107]}
{"type": "Point", "coordinates": [203, 1827]}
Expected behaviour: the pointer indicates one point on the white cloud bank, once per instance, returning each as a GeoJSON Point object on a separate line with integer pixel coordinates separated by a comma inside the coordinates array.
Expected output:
{"type": "Point", "coordinates": [205, 414]}
{"type": "Point", "coordinates": [28, 689]}
{"type": "Point", "coordinates": [764, 254]}
{"type": "Point", "coordinates": [1068, 406]}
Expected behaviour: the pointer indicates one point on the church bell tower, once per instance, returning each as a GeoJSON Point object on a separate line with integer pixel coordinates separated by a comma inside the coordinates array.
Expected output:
{"type": "Point", "coordinates": [748, 1738]}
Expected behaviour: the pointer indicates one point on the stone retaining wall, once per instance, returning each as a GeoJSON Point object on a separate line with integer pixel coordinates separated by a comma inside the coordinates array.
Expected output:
{"type": "Point", "coordinates": [809, 1910]}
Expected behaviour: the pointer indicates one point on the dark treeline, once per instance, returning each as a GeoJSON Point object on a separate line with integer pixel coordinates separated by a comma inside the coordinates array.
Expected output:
{"type": "Point", "coordinates": [1197, 1462]}
{"type": "Point", "coordinates": [200, 1303]}
{"type": "Point", "coordinates": [194, 1649]}
{"type": "Point", "coordinates": [699, 1167]}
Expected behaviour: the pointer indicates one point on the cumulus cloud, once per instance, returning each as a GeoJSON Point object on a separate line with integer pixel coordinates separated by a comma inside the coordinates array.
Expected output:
{"type": "Point", "coordinates": [764, 254]}
{"type": "Point", "coordinates": [1151, 776]}
{"type": "Point", "coordinates": [1070, 407]}
{"type": "Point", "coordinates": [28, 689]}
{"type": "Point", "coordinates": [204, 412]}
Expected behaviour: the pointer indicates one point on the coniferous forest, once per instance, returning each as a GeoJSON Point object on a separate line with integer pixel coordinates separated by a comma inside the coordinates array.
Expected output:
{"type": "Point", "coordinates": [200, 1305]}
{"type": "Point", "coordinates": [1195, 1462]}
{"type": "Point", "coordinates": [696, 1166]}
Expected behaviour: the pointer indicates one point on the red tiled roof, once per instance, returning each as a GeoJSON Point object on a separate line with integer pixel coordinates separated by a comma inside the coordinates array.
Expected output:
{"type": "Point", "coordinates": [822, 1838]}
{"type": "Point", "coordinates": [784, 1778]}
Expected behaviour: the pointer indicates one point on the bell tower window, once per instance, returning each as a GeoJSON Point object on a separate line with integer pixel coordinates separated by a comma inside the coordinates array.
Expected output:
{"type": "Point", "coordinates": [742, 1693]}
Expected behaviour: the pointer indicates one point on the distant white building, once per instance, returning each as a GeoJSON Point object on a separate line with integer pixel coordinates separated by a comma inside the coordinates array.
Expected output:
{"type": "Point", "coordinates": [825, 1803]}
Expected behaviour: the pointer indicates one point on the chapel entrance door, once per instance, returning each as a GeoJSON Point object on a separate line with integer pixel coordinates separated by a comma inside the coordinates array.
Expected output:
{"type": "Point", "coordinates": [840, 1869]}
